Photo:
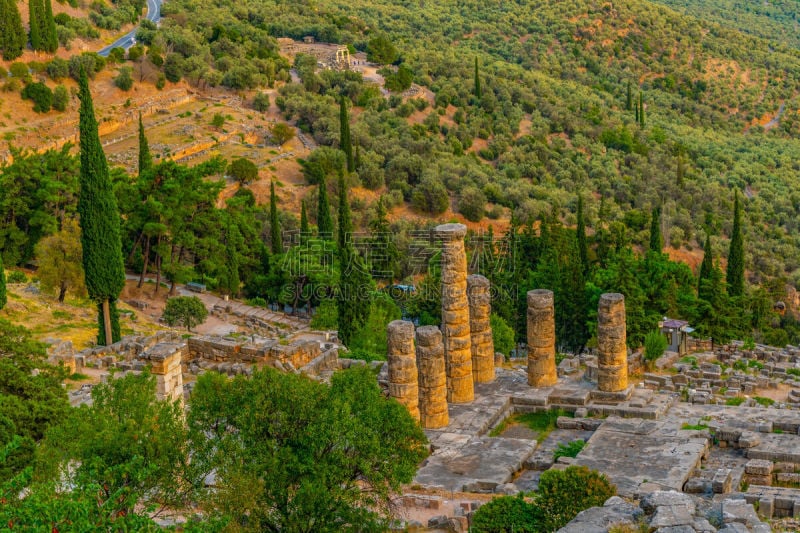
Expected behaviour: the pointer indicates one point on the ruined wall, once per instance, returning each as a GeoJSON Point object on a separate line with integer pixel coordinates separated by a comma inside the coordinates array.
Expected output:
{"type": "Point", "coordinates": [541, 339]}
{"type": "Point", "coordinates": [432, 378]}
{"type": "Point", "coordinates": [165, 364]}
{"type": "Point", "coordinates": [612, 351]}
{"type": "Point", "coordinates": [455, 314]}
{"type": "Point", "coordinates": [480, 310]}
{"type": "Point", "coordinates": [402, 358]}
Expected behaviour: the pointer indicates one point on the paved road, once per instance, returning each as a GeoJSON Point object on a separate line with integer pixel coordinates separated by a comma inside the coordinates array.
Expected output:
{"type": "Point", "coordinates": [129, 39]}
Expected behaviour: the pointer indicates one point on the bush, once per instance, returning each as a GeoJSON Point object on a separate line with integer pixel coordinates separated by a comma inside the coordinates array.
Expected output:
{"type": "Point", "coordinates": [261, 102]}
{"type": "Point", "coordinates": [19, 70]}
{"type": "Point", "coordinates": [187, 311]}
{"type": "Point", "coordinates": [16, 276]}
{"type": "Point", "coordinates": [173, 67]}
{"type": "Point", "coordinates": [654, 345]}
{"type": "Point", "coordinates": [326, 315]}
{"type": "Point", "coordinates": [569, 450]}
{"type": "Point", "coordinates": [161, 81]}
{"type": "Point", "coordinates": [472, 204]}
{"type": "Point", "coordinates": [60, 98]}
{"type": "Point", "coordinates": [502, 335]}
{"type": "Point", "coordinates": [41, 95]}
{"type": "Point", "coordinates": [507, 514]}
{"type": "Point", "coordinates": [243, 170]}
{"type": "Point", "coordinates": [124, 80]}
{"type": "Point", "coordinates": [430, 196]}
{"type": "Point", "coordinates": [281, 133]}
{"type": "Point", "coordinates": [57, 69]}
{"type": "Point", "coordinates": [563, 494]}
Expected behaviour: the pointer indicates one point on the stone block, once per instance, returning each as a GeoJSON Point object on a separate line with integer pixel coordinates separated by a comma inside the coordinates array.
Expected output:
{"type": "Point", "coordinates": [758, 467]}
{"type": "Point", "coordinates": [766, 507]}
{"type": "Point", "coordinates": [721, 483]}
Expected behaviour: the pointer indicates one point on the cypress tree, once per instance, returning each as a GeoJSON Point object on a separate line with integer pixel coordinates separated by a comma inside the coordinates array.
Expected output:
{"type": "Point", "coordinates": [274, 223]}
{"type": "Point", "coordinates": [704, 276]}
{"type": "Point", "coordinates": [3, 297]}
{"type": "Point", "coordinates": [641, 110]}
{"type": "Point", "coordinates": [583, 248]}
{"type": "Point", "coordinates": [12, 34]}
{"type": "Point", "coordinates": [478, 92]}
{"type": "Point", "coordinates": [48, 26]}
{"type": "Point", "coordinates": [636, 108]}
{"type": "Point", "coordinates": [344, 135]}
{"type": "Point", "coordinates": [628, 97]}
{"type": "Point", "coordinates": [145, 159]}
{"type": "Point", "coordinates": [100, 223]}
{"type": "Point", "coordinates": [345, 221]}
{"type": "Point", "coordinates": [735, 274]}
{"type": "Point", "coordinates": [324, 220]}
{"type": "Point", "coordinates": [35, 8]}
{"type": "Point", "coordinates": [680, 172]}
{"type": "Point", "coordinates": [304, 229]}
{"type": "Point", "coordinates": [656, 239]}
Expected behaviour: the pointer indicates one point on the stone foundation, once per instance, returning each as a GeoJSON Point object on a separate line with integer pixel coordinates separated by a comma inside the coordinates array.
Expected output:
{"type": "Point", "coordinates": [480, 310]}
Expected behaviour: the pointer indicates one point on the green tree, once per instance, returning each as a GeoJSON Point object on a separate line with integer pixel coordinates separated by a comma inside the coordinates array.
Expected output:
{"type": "Point", "coordinates": [654, 345]}
{"type": "Point", "coordinates": [324, 220]}
{"type": "Point", "coordinates": [381, 50]}
{"type": "Point", "coordinates": [385, 260]}
{"type": "Point", "coordinates": [628, 97]}
{"type": "Point", "coordinates": [49, 31]}
{"type": "Point", "coordinates": [3, 296]}
{"type": "Point", "coordinates": [12, 34]}
{"type": "Point", "coordinates": [305, 230]}
{"type": "Point", "coordinates": [704, 276]}
{"type": "Point", "coordinates": [583, 247]}
{"type": "Point", "coordinates": [641, 110]}
{"type": "Point", "coordinates": [656, 238]}
{"type": "Point", "coordinates": [331, 466]}
{"type": "Point", "coordinates": [100, 223]}
{"type": "Point", "coordinates": [562, 494]}
{"type": "Point", "coordinates": [430, 196]}
{"type": "Point", "coordinates": [123, 80]}
{"type": "Point", "coordinates": [145, 159]}
{"type": "Point", "coordinates": [41, 95]}
{"type": "Point", "coordinates": [735, 273]}
{"type": "Point", "coordinates": [61, 261]}
{"type": "Point", "coordinates": [60, 98]}
{"type": "Point", "coordinates": [345, 142]}
{"type": "Point", "coordinates": [243, 170]}
{"type": "Point", "coordinates": [261, 102]}
{"type": "Point", "coordinates": [477, 80]}
{"type": "Point", "coordinates": [281, 133]}
{"type": "Point", "coordinates": [274, 223]}
{"type": "Point", "coordinates": [185, 311]}
{"type": "Point", "coordinates": [35, 18]}
{"type": "Point", "coordinates": [502, 335]}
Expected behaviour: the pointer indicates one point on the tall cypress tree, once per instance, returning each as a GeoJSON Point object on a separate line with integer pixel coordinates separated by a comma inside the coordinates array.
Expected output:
{"type": "Point", "coordinates": [704, 275]}
{"type": "Point", "coordinates": [3, 297]}
{"type": "Point", "coordinates": [345, 220]}
{"type": "Point", "coordinates": [324, 220]}
{"type": "Point", "coordinates": [656, 239]}
{"type": "Point", "coordinates": [304, 229]}
{"type": "Point", "coordinates": [478, 92]}
{"type": "Point", "coordinates": [344, 135]}
{"type": "Point", "coordinates": [735, 274]}
{"type": "Point", "coordinates": [35, 9]}
{"type": "Point", "coordinates": [48, 26]}
{"type": "Point", "coordinates": [636, 108]}
{"type": "Point", "coordinates": [355, 282]}
{"type": "Point", "coordinates": [583, 248]}
{"type": "Point", "coordinates": [145, 159]}
{"type": "Point", "coordinates": [100, 223]}
{"type": "Point", "coordinates": [274, 223]}
{"type": "Point", "coordinates": [641, 110]}
{"type": "Point", "coordinates": [628, 97]}
{"type": "Point", "coordinates": [12, 34]}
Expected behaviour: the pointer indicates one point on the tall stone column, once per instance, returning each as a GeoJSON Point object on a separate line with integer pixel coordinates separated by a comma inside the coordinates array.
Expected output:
{"type": "Point", "coordinates": [541, 339]}
{"type": "Point", "coordinates": [480, 310]}
{"type": "Point", "coordinates": [432, 378]}
{"type": "Point", "coordinates": [455, 314]}
{"type": "Point", "coordinates": [612, 352]}
{"type": "Point", "coordinates": [403, 365]}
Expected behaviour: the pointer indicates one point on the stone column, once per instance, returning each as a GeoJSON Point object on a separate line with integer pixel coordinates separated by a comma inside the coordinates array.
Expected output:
{"type": "Point", "coordinates": [165, 364]}
{"type": "Point", "coordinates": [612, 352]}
{"type": "Point", "coordinates": [455, 314]}
{"type": "Point", "coordinates": [432, 378]}
{"type": "Point", "coordinates": [403, 365]}
{"type": "Point", "coordinates": [541, 339]}
{"type": "Point", "coordinates": [480, 309]}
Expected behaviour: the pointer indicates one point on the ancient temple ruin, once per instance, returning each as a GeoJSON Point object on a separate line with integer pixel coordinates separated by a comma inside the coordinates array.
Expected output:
{"type": "Point", "coordinates": [432, 378]}
{"type": "Point", "coordinates": [541, 339]}
{"type": "Point", "coordinates": [480, 310]}
{"type": "Point", "coordinates": [612, 350]}
{"type": "Point", "coordinates": [402, 360]}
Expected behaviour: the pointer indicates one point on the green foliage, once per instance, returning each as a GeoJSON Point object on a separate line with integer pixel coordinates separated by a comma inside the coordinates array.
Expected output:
{"type": "Point", "coordinates": [325, 316]}
{"type": "Point", "coordinates": [764, 402]}
{"type": "Point", "coordinates": [218, 120]}
{"type": "Point", "coordinates": [60, 262]}
{"type": "Point", "coordinates": [281, 133]}
{"type": "Point", "coordinates": [398, 80]}
{"type": "Point", "coordinates": [381, 50]}
{"type": "Point", "coordinates": [694, 427]}
{"type": "Point", "coordinates": [12, 34]}
{"type": "Point", "coordinates": [243, 170]}
{"type": "Point", "coordinates": [345, 143]}
{"type": "Point", "coordinates": [274, 223]}
{"type": "Point", "coordinates": [123, 79]}
{"type": "Point", "coordinates": [562, 494]}
{"type": "Point", "coordinates": [3, 295]}
{"type": "Point", "coordinates": [57, 69]}
{"type": "Point", "coordinates": [186, 311]}
{"type": "Point", "coordinates": [739, 400]}
{"type": "Point", "coordinates": [17, 276]}
{"type": "Point", "coordinates": [735, 273]}
{"type": "Point", "coordinates": [99, 216]}
{"type": "Point", "coordinates": [654, 345]}
{"type": "Point", "coordinates": [571, 449]}
{"type": "Point", "coordinates": [507, 514]}
{"type": "Point", "coordinates": [502, 335]}
{"type": "Point", "coordinates": [330, 466]}
{"type": "Point", "coordinates": [656, 238]}
{"type": "Point", "coordinates": [472, 204]}
{"type": "Point", "coordinates": [430, 196]}
{"type": "Point", "coordinates": [41, 95]}
{"type": "Point", "coordinates": [371, 337]}
{"type": "Point", "coordinates": [145, 159]}
{"type": "Point", "coordinates": [324, 220]}
{"type": "Point", "coordinates": [261, 102]}
{"type": "Point", "coordinates": [60, 98]}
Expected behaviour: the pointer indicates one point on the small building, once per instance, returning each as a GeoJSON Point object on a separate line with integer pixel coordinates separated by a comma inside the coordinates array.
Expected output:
{"type": "Point", "coordinates": [309, 39]}
{"type": "Point", "coordinates": [677, 334]}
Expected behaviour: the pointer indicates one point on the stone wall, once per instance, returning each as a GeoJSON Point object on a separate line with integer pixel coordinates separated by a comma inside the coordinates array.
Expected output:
{"type": "Point", "coordinates": [432, 378]}
{"type": "Point", "coordinates": [541, 339]}
{"type": "Point", "coordinates": [165, 361]}
{"type": "Point", "coordinates": [455, 314]}
{"type": "Point", "coordinates": [480, 310]}
{"type": "Point", "coordinates": [402, 359]}
{"type": "Point", "coordinates": [612, 351]}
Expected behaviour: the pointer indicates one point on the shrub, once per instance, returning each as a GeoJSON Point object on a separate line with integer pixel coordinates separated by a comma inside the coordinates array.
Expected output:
{"type": "Point", "coordinates": [16, 276]}
{"type": "Point", "coordinates": [472, 204]}
{"type": "Point", "coordinates": [507, 514]}
{"type": "Point", "coordinates": [430, 196]}
{"type": "Point", "coordinates": [41, 95]}
{"type": "Point", "coordinates": [124, 80]}
{"type": "Point", "coordinates": [261, 102]}
{"type": "Point", "coordinates": [19, 70]}
{"type": "Point", "coordinates": [502, 335]}
{"type": "Point", "coordinates": [57, 69]}
{"type": "Point", "coordinates": [571, 449]}
{"type": "Point", "coordinates": [60, 98]}
{"type": "Point", "coordinates": [765, 402]}
{"type": "Point", "coordinates": [565, 493]}
{"type": "Point", "coordinates": [654, 345]}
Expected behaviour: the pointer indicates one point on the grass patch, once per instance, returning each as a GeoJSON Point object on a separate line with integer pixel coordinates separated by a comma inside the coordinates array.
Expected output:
{"type": "Point", "coordinates": [793, 371]}
{"type": "Point", "coordinates": [688, 359]}
{"type": "Point", "coordinates": [694, 427]}
{"type": "Point", "coordinates": [734, 401]}
{"type": "Point", "coordinates": [543, 423]}
{"type": "Point", "coordinates": [777, 431]}
{"type": "Point", "coordinates": [569, 450]}
{"type": "Point", "coordinates": [765, 402]}
{"type": "Point", "coordinates": [77, 376]}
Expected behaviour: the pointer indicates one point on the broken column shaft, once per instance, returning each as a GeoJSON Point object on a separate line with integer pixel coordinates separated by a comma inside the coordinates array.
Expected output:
{"type": "Point", "coordinates": [541, 339]}
{"type": "Point", "coordinates": [455, 314]}
{"type": "Point", "coordinates": [480, 310]}
{"type": "Point", "coordinates": [432, 378]}
{"type": "Point", "coordinates": [403, 365]}
{"type": "Point", "coordinates": [612, 352]}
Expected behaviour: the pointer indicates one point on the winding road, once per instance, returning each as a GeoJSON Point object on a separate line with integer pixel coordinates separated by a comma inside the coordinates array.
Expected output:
{"type": "Point", "coordinates": [129, 39]}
